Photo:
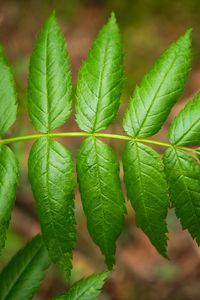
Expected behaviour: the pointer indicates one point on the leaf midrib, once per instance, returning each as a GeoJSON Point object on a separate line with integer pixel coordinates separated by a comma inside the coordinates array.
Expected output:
{"type": "Point", "coordinates": [85, 290]}
{"type": "Point", "coordinates": [187, 131]}
{"type": "Point", "coordinates": [46, 80]}
{"type": "Point", "coordinates": [99, 93]}
{"type": "Point", "coordinates": [50, 205]}
{"type": "Point", "coordinates": [21, 273]}
{"type": "Point", "coordinates": [141, 186]}
{"type": "Point", "coordinates": [154, 97]}
{"type": "Point", "coordinates": [188, 192]}
{"type": "Point", "coordinates": [102, 198]}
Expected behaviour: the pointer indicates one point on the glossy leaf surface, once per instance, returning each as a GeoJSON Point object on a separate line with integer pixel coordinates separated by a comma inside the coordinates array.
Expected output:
{"type": "Point", "coordinates": [85, 289]}
{"type": "Point", "coordinates": [102, 198]}
{"type": "Point", "coordinates": [183, 174]}
{"type": "Point", "coordinates": [185, 128]}
{"type": "Point", "coordinates": [51, 174]}
{"type": "Point", "coordinates": [100, 81]}
{"type": "Point", "coordinates": [8, 103]}
{"type": "Point", "coordinates": [22, 276]}
{"type": "Point", "coordinates": [160, 89]}
{"type": "Point", "coordinates": [9, 173]}
{"type": "Point", "coordinates": [49, 85]}
{"type": "Point", "coordinates": [147, 190]}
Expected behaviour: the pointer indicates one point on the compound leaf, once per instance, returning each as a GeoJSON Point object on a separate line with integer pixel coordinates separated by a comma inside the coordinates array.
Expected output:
{"type": "Point", "coordinates": [9, 172]}
{"type": "Point", "coordinates": [185, 128]}
{"type": "Point", "coordinates": [183, 173]}
{"type": "Point", "coordinates": [86, 289]}
{"type": "Point", "coordinates": [7, 95]}
{"type": "Point", "coordinates": [161, 87]}
{"type": "Point", "coordinates": [24, 273]}
{"type": "Point", "coordinates": [147, 190]}
{"type": "Point", "coordinates": [100, 81]}
{"type": "Point", "coordinates": [49, 85]}
{"type": "Point", "coordinates": [102, 198]}
{"type": "Point", "coordinates": [51, 174]}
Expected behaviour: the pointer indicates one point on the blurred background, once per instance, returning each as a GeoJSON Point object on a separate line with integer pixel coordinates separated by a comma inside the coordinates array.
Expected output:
{"type": "Point", "coordinates": [148, 27]}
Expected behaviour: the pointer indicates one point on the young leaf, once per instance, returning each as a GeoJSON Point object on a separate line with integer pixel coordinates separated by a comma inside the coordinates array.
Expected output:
{"type": "Point", "coordinates": [7, 95]}
{"type": "Point", "coordinates": [159, 90]}
{"type": "Point", "coordinates": [51, 175]}
{"type": "Point", "coordinates": [24, 273]}
{"type": "Point", "coordinates": [102, 198]}
{"type": "Point", "coordinates": [9, 172]}
{"type": "Point", "coordinates": [86, 289]}
{"type": "Point", "coordinates": [185, 128]}
{"type": "Point", "coordinates": [183, 173]}
{"type": "Point", "coordinates": [147, 189]}
{"type": "Point", "coordinates": [49, 85]}
{"type": "Point", "coordinates": [100, 81]}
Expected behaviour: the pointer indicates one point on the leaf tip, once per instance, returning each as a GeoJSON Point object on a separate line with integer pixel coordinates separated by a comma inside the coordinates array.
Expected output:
{"type": "Point", "coordinates": [112, 20]}
{"type": "Point", "coordinates": [65, 265]}
{"type": "Point", "coordinates": [110, 261]}
{"type": "Point", "coordinates": [104, 276]}
{"type": "Point", "coordinates": [112, 16]}
{"type": "Point", "coordinates": [186, 38]}
{"type": "Point", "coordinates": [53, 14]}
{"type": "Point", "coordinates": [52, 18]}
{"type": "Point", "coordinates": [189, 32]}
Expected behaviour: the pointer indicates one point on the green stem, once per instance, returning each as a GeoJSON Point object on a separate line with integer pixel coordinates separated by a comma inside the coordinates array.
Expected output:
{"type": "Point", "coordinates": [85, 134]}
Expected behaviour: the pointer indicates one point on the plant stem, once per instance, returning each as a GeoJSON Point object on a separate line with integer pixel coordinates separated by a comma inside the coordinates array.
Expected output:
{"type": "Point", "coordinates": [85, 134]}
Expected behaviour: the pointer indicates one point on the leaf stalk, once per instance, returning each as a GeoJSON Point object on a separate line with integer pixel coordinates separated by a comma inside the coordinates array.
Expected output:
{"type": "Point", "coordinates": [97, 135]}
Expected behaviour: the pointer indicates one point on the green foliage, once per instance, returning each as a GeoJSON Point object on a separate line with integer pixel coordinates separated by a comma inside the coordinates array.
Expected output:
{"type": "Point", "coordinates": [9, 171]}
{"type": "Point", "coordinates": [147, 190]}
{"type": "Point", "coordinates": [183, 175]}
{"type": "Point", "coordinates": [102, 198]}
{"type": "Point", "coordinates": [49, 86]}
{"type": "Point", "coordinates": [197, 152]}
{"type": "Point", "coordinates": [86, 289]}
{"type": "Point", "coordinates": [159, 90]}
{"type": "Point", "coordinates": [8, 109]}
{"type": "Point", "coordinates": [185, 128]}
{"type": "Point", "coordinates": [100, 81]}
{"type": "Point", "coordinates": [51, 171]}
{"type": "Point", "coordinates": [51, 175]}
{"type": "Point", "coordinates": [24, 273]}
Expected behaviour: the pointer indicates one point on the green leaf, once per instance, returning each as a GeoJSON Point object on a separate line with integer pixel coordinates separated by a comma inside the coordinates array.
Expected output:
{"type": "Point", "coordinates": [161, 87]}
{"type": "Point", "coordinates": [7, 95]}
{"type": "Point", "coordinates": [102, 198]}
{"type": "Point", "coordinates": [100, 80]}
{"type": "Point", "coordinates": [185, 128]}
{"type": "Point", "coordinates": [9, 172]}
{"type": "Point", "coordinates": [86, 289]}
{"type": "Point", "coordinates": [24, 273]}
{"type": "Point", "coordinates": [183, 174]}
{"type": "Point", "coordinates": [197, 152]}
{"type": "Point", "coordinates": [49, 85]}
{"type": "Point", "coordinates": [51, 174]}
{"type": "Point", "coordinates": [147, 189]}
